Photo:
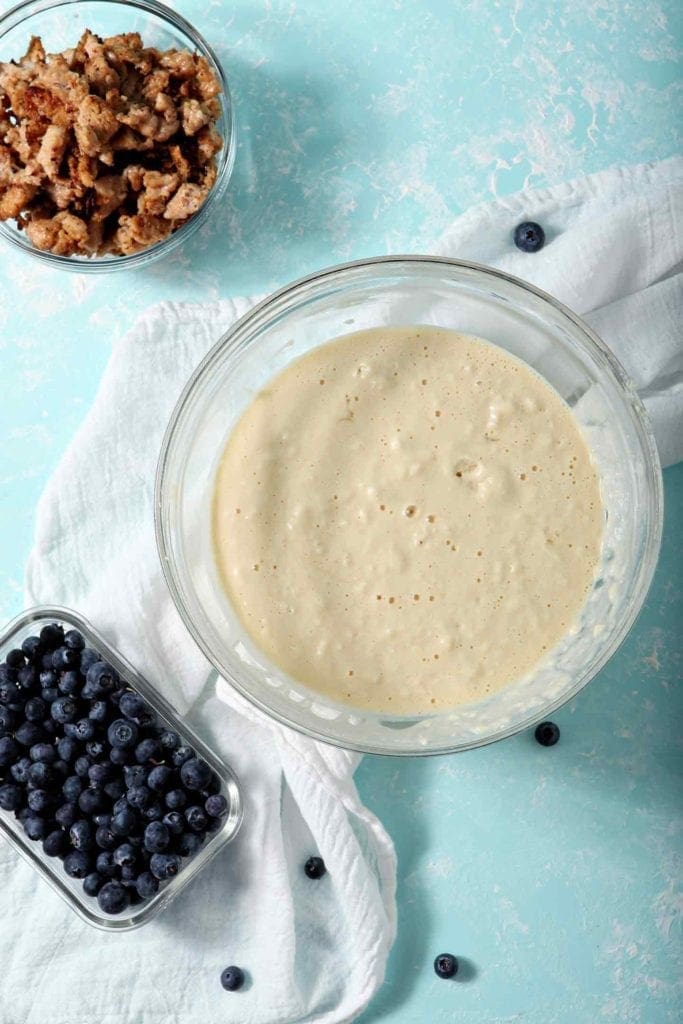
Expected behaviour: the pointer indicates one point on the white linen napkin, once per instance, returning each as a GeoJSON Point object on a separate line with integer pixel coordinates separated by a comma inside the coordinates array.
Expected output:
{"type": "Point", "coordinates": [314, 951]}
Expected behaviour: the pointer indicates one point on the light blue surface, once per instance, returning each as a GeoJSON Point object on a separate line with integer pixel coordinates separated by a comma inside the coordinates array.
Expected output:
{"type": "Point", "coordinates": [364, 128]}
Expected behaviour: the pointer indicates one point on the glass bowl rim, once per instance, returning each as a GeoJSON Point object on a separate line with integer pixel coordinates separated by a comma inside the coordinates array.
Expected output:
{"type": "Point", "coordinates": [27, 9]}
{"type": "Point", "coordinates": [223, 349]}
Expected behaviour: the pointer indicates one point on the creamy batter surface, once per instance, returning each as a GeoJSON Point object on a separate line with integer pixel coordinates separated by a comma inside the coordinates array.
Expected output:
{"type": "Point", "coordinates": [407, 519]}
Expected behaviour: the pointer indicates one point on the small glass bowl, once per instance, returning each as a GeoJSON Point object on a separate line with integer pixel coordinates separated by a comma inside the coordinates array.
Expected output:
{"type": "Point", "coordinates": [51, 868]}
{"type": "Point", "coordinates": [405, 291]}
{"type": "Point", "coordinates": [60, 23]}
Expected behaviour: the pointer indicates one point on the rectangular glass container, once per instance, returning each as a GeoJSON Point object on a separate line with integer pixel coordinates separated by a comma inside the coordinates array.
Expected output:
{"type": "Point", "coordinates": [50, 868]}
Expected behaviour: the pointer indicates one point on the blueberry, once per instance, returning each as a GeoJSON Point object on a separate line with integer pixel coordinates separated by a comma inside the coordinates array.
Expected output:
{"type": "Point", "coordinates": [20, 769]}
{"type": "Point", "coordinates": [98, 711]}
{"type": "Point", "coordinates": [35, 709]}
{"type": "Point", "coordinates": [49, 729]}
{"type": "Point", "coordinates": [196, 818]}
{"type": "Point", "coordinates": [64, 709]}
{"type": "Point", "coordinates": [147, 750]}
{"type": "Point", "coordinates": [135, 775]}
{"type": "Point", "coordinates": [114, 789]}
{"type": "Point", "coordinates": [42, 776]}
{"type": "Point", "coordinates": [95, 748]}
{"type": "Point", "coordinates": [195, 774]}
{"type": "Point", "coordinates": [105, 838]}
{"type": "Point", "coordinates": [48, 678]}
{"type": "Point", "coordinates": [74, 640]}
{"type": "Point", "coordinates": [11, 796]}
{"type": "Point", "coordinates": [181, 755]}
{"type": "Point", "coordinates": [82, 835]}
{"type": "Point", "coordinates": [132, 705]}
{"type": "Point", "coordinates": [29, 733]}
{"type": "Point", "coordinates": [315, 867]}
{"type": "Point", "coordinates": [529, 236]}
{"type": "Point", "coordinates": [164, 865]}
{"type": "Point", "coordinates": [113, 898]}
{"type": "Point", "coordinates": [92, 883]}
{"type": "Point", "coordinates": [15, 658]}
{"type": "Point", "coordinates": [69, 682]}
{"type": "Point", "coordinates": [77, 864]}
{"type": "Point", "coordinates": [82, 765]}
{"type": "Point", "coordinates": [100, 773]}
{"type": "Point", "coordinates": [35, 827]}
{"type": "Point", "coordinates": [446, 965]}
{"type": "Point", "coordinates": [232, 978]}
{"type": "Point", "coordinates": [188, 844]}
{"type": "Point", "coordinates": [120, 755]}
{"type": "Point", "coordinates": [46, 660]}
{"type": "Point", "coordinates": [9, 692]}
{"type": "Point", "coordinates": [64, 658]}
{"type": "Point", "coordinates": [61, 769]}
{"type": "Point", "coordinates": [147, 885]}
{"type": "Point", "coordinates": [55, 843]}
{"type": "Point", "coordinates": [175, 799]}
{"type": "Point", "coordinates": [122, 733]}
{"type": "Point", "coordinates": [101, 678]}
{"type": "Point", "coordinates": [88, 658]}
{"type": "Point", "coordinates": [72, 788]}
{"type": "Point", "coordinates": [49, 694]}
{"type": "Point", "coordinates": [102, 819]}
{"type": "Point", "coordinates": [154, 812]}
{"type": "Point", "coordinates": [91, 800]}
{"type": "Point", "coordinates": [26, 678]}
{"type": "Point", "coordinates": [547, 734]}
{"type": "Point", "coordinates": [125, 855]}
{"type": "Point", "coordinates": [31, 647]}
{"type": "Point", "coordinates": [139, 797]}
{"type": "Point", "coordinates": [52, 635]}
{"type": "Point", "coordinates": [216, 805]}
{"type": "Point", "coordinates": [43, 752]}
{"type": "Point", "coordinates": [7, 674]}
{"type": "Point", "coordinates": [105, 864]}
{"type": "Point", "coordinates": [158, 777]}
{"type": "Point", "coordinates": [169, 740]}
{"type": "Point", "coordinates": [156, 837]}
{"type": "Point", "coordinates": [66, 815]}
{"type": "Point", "coordinates": [174, 822]}
{"type": "Point", "coordinates": [39, 800]}
{"type": "Point", "coordinates": [120, 805]}
{"type": "Point", "coordinates": [8, 720]}
{"type": "Point", "coordinates": [84, 729]}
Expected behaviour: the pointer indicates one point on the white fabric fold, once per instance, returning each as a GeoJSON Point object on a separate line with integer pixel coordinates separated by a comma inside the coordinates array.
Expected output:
{"type": "Point", "coordinates": [315, 952]}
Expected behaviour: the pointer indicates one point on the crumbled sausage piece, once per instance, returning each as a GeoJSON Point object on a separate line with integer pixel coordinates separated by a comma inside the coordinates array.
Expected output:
{"type": "Point", "coordinates": [90, 135]}
{"type": "Point", "coordinates": [185, 202]}
{"type": "Point", "coordinates": [52, 150]}
{"type": "Point", "coordinates": [158, 189]}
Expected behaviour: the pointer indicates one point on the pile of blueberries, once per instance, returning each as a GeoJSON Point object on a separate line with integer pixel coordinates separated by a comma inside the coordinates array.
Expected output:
{"type": "Point", "coordinates": [89, 771]}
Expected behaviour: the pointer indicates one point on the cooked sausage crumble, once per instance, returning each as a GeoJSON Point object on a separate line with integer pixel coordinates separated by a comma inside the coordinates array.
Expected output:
{"type": "Point", "coordinates": [106, 148]}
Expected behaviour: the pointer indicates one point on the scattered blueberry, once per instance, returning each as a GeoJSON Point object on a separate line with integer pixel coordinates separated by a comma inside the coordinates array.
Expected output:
{"type": "Point", "coordinates": [98, 711]}
{"type": "Point", "coordinates": [88, 658]}
{"type": "Point", "coordinates": [158, 778]}
{"type": "Point", "coordinates": [15, 658]}
{"type": "Point", "coordinates": [169, 740]}
{"type": "Point", "coordinates": [43, 752]}
{"type": "Point", "coordinates": [29, 733]}
{"type": "Point", "coordinates": [9, 692]}
{"type": "Point", "coordinates": [188, 843]}
{"type": "Point", "coordinates": [91, 801]}
{"type": "Point", "coordinates": [66, 815]}
{"type": "Point", "coordinates": [8, 720]}
{"type": "Point", "coordinates": [181, 755]}
{"type": "Point", "coordinates": [232, 978]}
{"type": "Point", "coordinates": [196, 818]}
{"type": "Point", "coordinates": [114, 789]}
{"type": "Point", "coordinates": [82, 765]}
{"type": "Point", "coordinates": [9, 750]}
{"type": "Point", "coordinates": [123, 823]}
{"type": "Point", "coordinates": [74, 640]}
{"type": "Point", "coordinates": [20, 769]}
{"type": "Point", "coordinates": [42, 776]}
{"type": "Point", "coordinates": [315, 867]}
{"type": "Point", "coordinates": [153, 812]}
{"type": "Point", "coordinates": [94, 749]}
{"type": "Point", "coordinates": [51, 636]}
{"type": "Point", "coordinates": [39, 800]}
{"type": "Point", "coordinates": [125, 855]}
{"type": "Point", "coordinates": [529, 236]}
{"type": "Point", "coordinates": [106, 865]}
{"type": "Point", "coordinates": [120, 755]}
{"type": "Point", "coordinates": [101, 678]}
{"type": "Point", "coordinates": [547, 734]}
{"type": "Point", "coordinates": [147, 750]}
{"type": "Point", "coordinates": [139, 797]}
{"type": "Point", "coordinates": [132, 706]}
{"type": "Point", "coordinates": [72, 788]}
{"type": "Point", "coordinates": [174, 822]}
{"type": "Point", "coordinates": [446, 965]}
{"type": "Point", "coordinates": [31, 647]}
{"type": "Point", "coordinates": [113, 898]}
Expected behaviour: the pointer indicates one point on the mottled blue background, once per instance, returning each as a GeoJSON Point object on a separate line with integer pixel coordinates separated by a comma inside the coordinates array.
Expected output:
{"type": "Point", "coordinates": [365, 128]}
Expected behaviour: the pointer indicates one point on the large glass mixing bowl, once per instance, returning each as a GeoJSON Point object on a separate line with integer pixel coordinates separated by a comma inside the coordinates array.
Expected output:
{"type": "Point", "coordinates": [406, 291]}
